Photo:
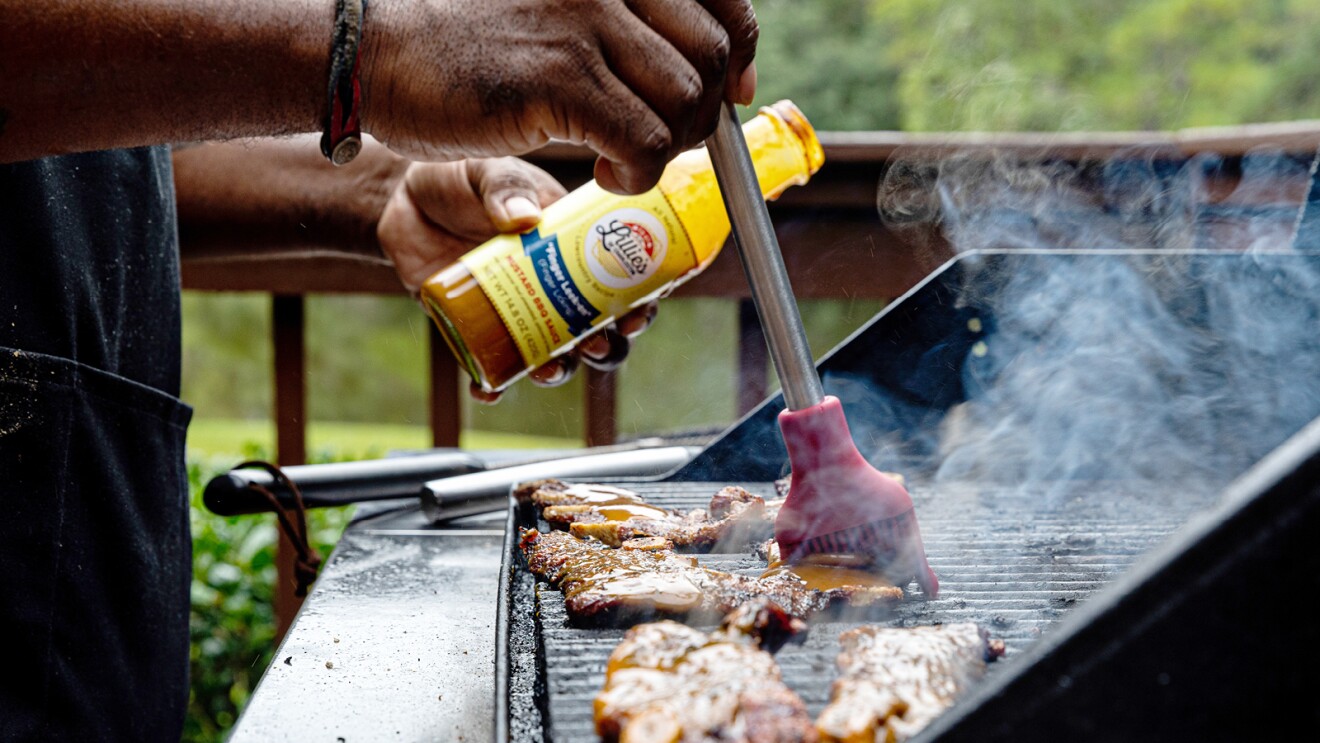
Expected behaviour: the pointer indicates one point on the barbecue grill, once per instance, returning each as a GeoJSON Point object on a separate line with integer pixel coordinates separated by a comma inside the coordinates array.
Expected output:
{"type": "Point", "coordinates": [1113, 460]}
{"type": "Point", "coordinates": [1131, 584]}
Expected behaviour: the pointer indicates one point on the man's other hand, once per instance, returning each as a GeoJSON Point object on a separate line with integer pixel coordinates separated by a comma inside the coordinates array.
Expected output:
{"type": "Point", "coordinates": [439, 211]}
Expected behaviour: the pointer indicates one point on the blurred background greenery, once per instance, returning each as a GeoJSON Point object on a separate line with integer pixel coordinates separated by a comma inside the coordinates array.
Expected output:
{"type": "Point", "coordinates": [1042, 65]}
{"type": "Point", "coordinates": [1046, 65]}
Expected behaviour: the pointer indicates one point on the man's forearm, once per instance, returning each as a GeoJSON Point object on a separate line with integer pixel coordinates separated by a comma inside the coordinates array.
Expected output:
{"type": "Point", "coordinates": [94, 74]}
{"type": "Point", "coordinates": [256, 196]}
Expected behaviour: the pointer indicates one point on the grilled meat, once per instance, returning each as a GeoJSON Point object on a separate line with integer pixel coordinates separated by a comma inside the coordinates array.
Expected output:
{"type": "Point", "coordinates": [650, 544]}
{"type": "Point", "coordinates": [559, 494]}
{"type": "Point", "coordinates": [765, 622]}
{"type": "Point", "coordinates": [669, 683]}
{"type": "Point", "coordinates": [734, 519]}
{"type": "Point", "coordinates": [603, 584]}
{"type": "Point", "coordinates": [895, 681]}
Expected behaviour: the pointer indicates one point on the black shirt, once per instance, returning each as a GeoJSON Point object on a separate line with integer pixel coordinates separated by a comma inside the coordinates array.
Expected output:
{"type": "Point", "coordinates": [94, 542]}
{"type": "Point", "coordinates": [89, 267]}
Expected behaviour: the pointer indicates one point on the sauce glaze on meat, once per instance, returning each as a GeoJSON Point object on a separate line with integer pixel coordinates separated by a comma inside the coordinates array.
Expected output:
{"type": "Point", "coordinates": [669, 683]}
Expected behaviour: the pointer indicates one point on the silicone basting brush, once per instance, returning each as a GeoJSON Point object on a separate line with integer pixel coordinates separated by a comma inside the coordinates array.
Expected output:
{"type": "Point", "coordinates": [837, 502]}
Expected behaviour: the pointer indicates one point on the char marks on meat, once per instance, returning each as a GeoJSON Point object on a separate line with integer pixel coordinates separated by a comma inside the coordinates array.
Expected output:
{"type": "Point", "coordinates": [604, 584]}
{"type": "Point", "coordinates": [735, 518]}
{"type": "Point", "coordinates": [894, 681]}
{"type": "Point", "coordinates": [667, 682]}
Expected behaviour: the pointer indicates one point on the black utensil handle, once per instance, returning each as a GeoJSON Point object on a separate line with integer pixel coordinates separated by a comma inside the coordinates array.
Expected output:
{"type": "Point", "coordinates": [337, 484]}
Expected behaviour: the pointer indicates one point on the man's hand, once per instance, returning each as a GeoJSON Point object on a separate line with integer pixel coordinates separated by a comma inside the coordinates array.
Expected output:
{"type": "Point", "coordinates": [439, 211]}
{"type": "Point", "coordinates": [636, 80]}
{"type": "Point", "coordinates": [281, 195]}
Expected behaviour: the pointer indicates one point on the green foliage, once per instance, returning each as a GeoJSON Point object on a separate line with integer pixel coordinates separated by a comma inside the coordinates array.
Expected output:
{"type": "Point", "coordinates": [1101, 64]}
{"type": "Point", "coordinates": [232, 622]}
{"type": "Point", "coordinates": [1293, 90]}
{"type": "Point", "coordinates": [827, 56]}
{"type": "Point", "coordinates": [218, 331]}
{"type": "Point", "coordinates": [212, 438]}
{"type": "Point", "coordinates": [679, 375]}
{"type": "Point", "coordinates": [375, 376]}
{"type": "Point", "coordinates": [1170, 63]}
{"type": "Point", "coordinates": [995, 65]}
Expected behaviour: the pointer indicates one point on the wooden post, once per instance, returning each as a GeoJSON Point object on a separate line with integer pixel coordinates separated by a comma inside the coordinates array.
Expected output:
{"type": "Point", "coordinates": [753, 378]}
{"type": "Point", "coordinates": [601, 401]}
{"type": "Point", "coordinates": [287, 331]}
{"type": "Point", "coordinates": [446, 394]}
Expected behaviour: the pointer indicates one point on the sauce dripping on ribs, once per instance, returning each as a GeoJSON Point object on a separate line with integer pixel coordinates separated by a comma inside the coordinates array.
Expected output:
{"type": "Point", "coordinates": [826, 575]}
{"type": "Point", "coordinates": [601, 583]}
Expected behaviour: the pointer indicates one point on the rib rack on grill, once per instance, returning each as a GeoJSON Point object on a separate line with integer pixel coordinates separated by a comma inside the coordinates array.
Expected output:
{"type": "Point", "coordinates": [894, 681]}
{"type": "Point", "coordinates": [604, 584]}
{"type": "Point", "coordinates": [668, 682]}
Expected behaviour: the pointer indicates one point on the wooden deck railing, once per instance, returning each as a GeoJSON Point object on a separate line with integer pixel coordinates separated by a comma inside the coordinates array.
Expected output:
{"type": "Point", "coordinates": [825, 228]}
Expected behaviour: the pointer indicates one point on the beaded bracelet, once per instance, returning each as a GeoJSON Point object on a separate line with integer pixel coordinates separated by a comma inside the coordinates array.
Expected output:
{"type": "Point", "coordinates": [341, 139]}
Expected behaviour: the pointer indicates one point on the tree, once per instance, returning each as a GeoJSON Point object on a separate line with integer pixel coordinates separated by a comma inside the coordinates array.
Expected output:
{"type": "Point", "coordinates": [1101, 64]}
{"type": "Point", "coordinates": [827, 56]}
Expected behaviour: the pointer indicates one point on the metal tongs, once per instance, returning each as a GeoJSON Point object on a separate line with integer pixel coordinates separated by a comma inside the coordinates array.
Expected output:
{"type": "Point", "coordinates": [837, 502]}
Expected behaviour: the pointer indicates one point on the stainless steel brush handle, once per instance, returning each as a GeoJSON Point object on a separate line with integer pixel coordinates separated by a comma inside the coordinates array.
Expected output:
{"type": "Point", "coordinates": [754, 236]}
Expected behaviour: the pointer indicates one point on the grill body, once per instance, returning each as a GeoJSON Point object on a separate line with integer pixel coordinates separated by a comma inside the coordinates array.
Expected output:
{"type": "Point", "coordinates": [1138, 588]}
{"type": "Point", "coordinates": [1204, 639]}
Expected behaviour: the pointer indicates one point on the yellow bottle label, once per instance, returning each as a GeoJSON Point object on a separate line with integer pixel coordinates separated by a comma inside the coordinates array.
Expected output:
{"type": "Point", "coordinates": [590, 260]}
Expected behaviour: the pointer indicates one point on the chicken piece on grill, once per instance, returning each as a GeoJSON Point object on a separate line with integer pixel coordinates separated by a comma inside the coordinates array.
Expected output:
{"type": "Point", "coordinates": [894, 681]}
{"type": "Point", "coordinates": [650, 544]}
{"type": "Point", "coordinates": [607, 585]}
{"type": "Point", "coordinates": [669, 683]}
{"type": "Point", "coordinates": [734, 520]}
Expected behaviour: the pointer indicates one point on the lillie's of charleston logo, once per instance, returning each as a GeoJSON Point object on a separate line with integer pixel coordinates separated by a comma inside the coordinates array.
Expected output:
{"type": "Point", "coordinates": [625, 247]}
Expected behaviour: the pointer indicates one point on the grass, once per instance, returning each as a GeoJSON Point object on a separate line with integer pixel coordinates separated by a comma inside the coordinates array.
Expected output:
{"type": "Point", "coordinates": [331, 440]}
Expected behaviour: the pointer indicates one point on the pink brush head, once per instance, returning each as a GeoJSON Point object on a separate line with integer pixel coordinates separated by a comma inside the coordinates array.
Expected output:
{"type": "Point", "coordinates": [838, 503]}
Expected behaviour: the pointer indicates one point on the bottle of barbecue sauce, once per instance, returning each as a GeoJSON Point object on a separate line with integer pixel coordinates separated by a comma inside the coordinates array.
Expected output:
{"type": "Point", "coordinates": [518, 301]}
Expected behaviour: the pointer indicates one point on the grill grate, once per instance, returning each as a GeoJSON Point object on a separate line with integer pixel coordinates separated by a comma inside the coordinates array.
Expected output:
{"type": "Point", "coordinates": [1013, 561]}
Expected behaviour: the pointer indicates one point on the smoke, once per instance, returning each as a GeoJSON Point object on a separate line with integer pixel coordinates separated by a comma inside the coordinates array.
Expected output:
{"type": "Point", "coordinates": [1176, 338]}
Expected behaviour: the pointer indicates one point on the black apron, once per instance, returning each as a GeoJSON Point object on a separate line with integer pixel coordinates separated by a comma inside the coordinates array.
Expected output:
{"type": "Point", "coordinates": [94, 541]}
